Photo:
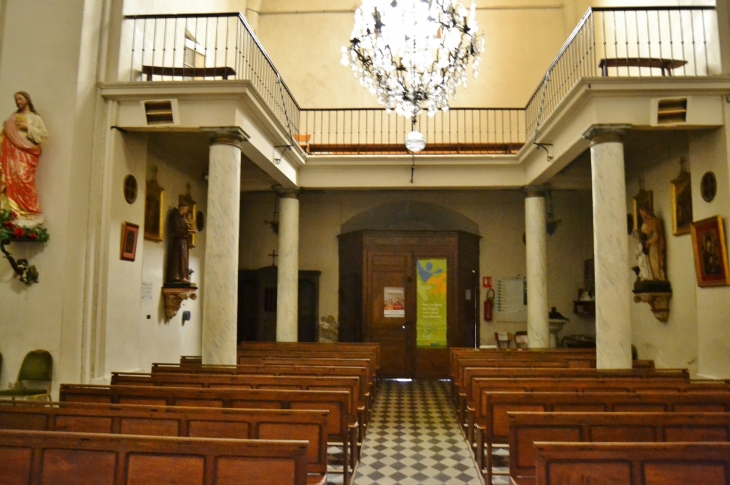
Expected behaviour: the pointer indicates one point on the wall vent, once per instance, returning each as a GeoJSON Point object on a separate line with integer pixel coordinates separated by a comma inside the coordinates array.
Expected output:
{"type": "Point", "coordinates": [671, 111]}
{"type": "Point", "coordinates": [158, 112]}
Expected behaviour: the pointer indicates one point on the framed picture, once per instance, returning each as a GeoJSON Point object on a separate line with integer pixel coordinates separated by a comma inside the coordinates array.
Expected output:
{"type": "Point", "coordinates": [708, 243]}
{"type": "Point", "coordinates": [129, 241]}
{"type": "Point", "coordinates": [154, 214]}
{"type": "Point", "coordinates": [681, 204]}
{"type": "Point", "coordinates": [643, 200]}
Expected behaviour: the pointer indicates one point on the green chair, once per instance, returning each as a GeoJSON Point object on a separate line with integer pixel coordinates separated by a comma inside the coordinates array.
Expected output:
{"type": "Point", "coordinates": [37, 367]}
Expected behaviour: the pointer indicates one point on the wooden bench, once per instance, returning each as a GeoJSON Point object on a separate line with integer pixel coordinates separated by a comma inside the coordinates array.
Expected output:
{"type": "Point", "coordinates": [350, 384]}
{"type": "Point", "coordinates": [493, 423]}
{"type": "Point", "coordinates": [471, 386]}
{"type": "Point", "coordinates": [526, 428]}
{"type": "Point", "coordinates": [341, 426]}
{"type": "Point", "coordinates": [271, 424]}
{"type": "Point", "coordinates": [666, 65]}
{"type": "Point", "coordinates": [633, 463]}
{"type": "Point", "coordinates": [275, 370]}
{"type": "Point", "coordinates": [204, 72]}
{"type": "Point", "coordinates": [34, 457]}
{"type": "Point", "coordinates": [336, 347]}
{"type": "Point", "coordinates": [586, 384]}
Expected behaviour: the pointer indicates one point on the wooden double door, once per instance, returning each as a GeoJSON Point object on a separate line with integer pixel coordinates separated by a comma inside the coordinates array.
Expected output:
{"type": "Point", "coordinates": [382, 269]}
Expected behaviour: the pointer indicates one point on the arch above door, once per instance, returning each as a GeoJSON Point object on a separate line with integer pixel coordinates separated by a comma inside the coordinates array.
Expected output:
{"type": "Point", "coordinates": [410, 215]}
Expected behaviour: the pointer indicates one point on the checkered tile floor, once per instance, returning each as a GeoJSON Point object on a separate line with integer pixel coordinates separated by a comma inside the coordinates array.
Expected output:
{"type": "Point", "coordinates": [413, 439]}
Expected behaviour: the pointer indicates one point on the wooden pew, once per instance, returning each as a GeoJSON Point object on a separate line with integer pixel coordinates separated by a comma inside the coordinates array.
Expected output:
{"type": "Point", "coordinates": [633, 463]}
{"type": "Point", "coordinates": [471, 374]}
{"type": "Point", "coordinates": [526, 428]}
{"type": "Point", "coordinates": [272, 370]}
{"type": "Point", "coordinates": [587, 384]}
{"type": "Point", "coordinates": [492, 423]}
{"type": "Point", "coordinates": [34, 457]}
{"type": "Point", "coordinates": [342, 422]}
{"type": "Point", "coordinates": [271, 424]}
{"type": "Point", "coordinates": [349, 384]}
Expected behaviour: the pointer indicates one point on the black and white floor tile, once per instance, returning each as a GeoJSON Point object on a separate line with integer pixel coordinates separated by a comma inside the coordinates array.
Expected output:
{"type": "Point", "coordinates": [413, 439]}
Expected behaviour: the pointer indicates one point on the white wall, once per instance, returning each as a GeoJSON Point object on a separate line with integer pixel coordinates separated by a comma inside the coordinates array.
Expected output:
{"type": "Point", "coordinates": [57, 66]}
{"type": "Point", "coordinates": [671, 344]}
{"type": "Point", "coordinates": [499, 214]}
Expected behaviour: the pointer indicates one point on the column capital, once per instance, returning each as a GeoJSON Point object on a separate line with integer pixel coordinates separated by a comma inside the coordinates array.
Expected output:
{"type": "Point", "coordinates": [606, 133]}
{"type": "Point", "coordinates": [226, 135]}
{"type": "Point", "coordinates": [534, 190]}
{"type": "Point", "coordinates": [286, 193]}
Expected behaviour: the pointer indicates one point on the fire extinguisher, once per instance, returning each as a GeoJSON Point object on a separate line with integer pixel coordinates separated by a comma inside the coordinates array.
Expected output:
{"type": "Point", "coordinates": [489, 305]}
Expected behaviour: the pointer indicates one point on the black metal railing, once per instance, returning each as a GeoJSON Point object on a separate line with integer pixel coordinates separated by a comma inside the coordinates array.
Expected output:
{"type": "Point", "coordinates": [627, 42]}
{"type": "Point", "coordinates": [190, 47]}
{"type": "Point", "coordinates": [361, 131]}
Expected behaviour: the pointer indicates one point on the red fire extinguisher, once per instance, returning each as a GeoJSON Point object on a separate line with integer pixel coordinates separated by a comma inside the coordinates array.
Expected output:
{"type": "Point", "coordinates": [489, 305]}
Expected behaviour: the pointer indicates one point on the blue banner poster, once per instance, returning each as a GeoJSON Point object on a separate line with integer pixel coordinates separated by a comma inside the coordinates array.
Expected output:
{"type": "Point", "coordinates": [431, 303]}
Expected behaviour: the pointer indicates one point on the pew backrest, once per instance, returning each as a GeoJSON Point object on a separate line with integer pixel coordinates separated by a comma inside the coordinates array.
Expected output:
{"type": "Point", "coordinates": [526, 428]}
{"type": "Point", "coordinates": [309, 425]}
{"type": "Point", "coordinates": [32, 457]}
{"type": "Point", "coordinates": [632, 463]}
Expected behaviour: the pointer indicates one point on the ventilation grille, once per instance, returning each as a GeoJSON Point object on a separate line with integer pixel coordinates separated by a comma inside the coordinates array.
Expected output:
{"type": "Point", "coordinates": [672, 111]}
{"type": "Point", "coordinates": [158, 112]}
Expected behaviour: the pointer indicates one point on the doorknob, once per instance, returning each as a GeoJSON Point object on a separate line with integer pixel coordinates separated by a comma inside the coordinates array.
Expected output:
{"type": "Point", "coordinates": [403, 327]}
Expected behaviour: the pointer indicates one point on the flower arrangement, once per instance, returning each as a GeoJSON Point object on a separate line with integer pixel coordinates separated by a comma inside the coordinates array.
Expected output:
{"type": "Point", "coordinates": [11, 231]}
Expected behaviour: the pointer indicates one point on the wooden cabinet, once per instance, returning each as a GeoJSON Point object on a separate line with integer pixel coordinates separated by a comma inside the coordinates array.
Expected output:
{"type": "Point", "coordinates": [257, 305]}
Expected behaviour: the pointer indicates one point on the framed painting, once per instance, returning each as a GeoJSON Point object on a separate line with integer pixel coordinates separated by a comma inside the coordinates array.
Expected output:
{"type": "Point", "coordinates": [154, 214]}
{"type": "Point", "coordinates": [708, 244]}
{"type": "Point", "coordinates": [643, 200]}
{"type": "Point", "coordinates": [129, 241]}
{"type": "Point", "coordinates": [681, 204]}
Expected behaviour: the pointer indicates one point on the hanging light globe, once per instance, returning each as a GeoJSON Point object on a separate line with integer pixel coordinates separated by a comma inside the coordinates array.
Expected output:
{"type": "Point", "coordinates": [415, 141]}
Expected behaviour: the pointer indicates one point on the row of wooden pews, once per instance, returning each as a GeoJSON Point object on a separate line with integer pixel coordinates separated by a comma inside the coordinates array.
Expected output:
{"type": "Point", "coordinates": [269, 422]}
{"type": "Point", "coordinates": [567, 422]}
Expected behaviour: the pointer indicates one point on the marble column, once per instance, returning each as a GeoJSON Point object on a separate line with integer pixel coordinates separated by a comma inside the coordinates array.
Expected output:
{"type": "Point", "coordinates": [220, 274]}
{"type": "Point", "coordinates": [287, 296]}
{"type": "Point", "coordinates": [610, 247]}
{"type": "Point", "coordinates": [538, 327]}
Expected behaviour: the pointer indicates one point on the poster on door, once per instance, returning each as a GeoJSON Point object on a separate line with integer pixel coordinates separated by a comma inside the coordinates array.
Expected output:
{"type": "Point", "coordinates": [394, 302]}
{"type": "Point", "coordinates": [431, 303]}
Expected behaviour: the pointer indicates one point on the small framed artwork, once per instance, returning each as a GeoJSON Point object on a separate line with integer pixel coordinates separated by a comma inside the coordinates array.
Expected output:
{"type": "Point", "coordinates": [708, 244]}
{"type": "Point", "coordinates": [129, 241]}
{"type": "Point", "coordinates": [154, 214]}
{"type": "Point", "coordinates": [681, 204]}
{"type": "Point", "coordinates": [643, 200]}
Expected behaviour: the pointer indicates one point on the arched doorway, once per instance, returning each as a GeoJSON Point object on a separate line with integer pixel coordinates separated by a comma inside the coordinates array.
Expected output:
{"type": "Point", "coordinates": [408, 280]}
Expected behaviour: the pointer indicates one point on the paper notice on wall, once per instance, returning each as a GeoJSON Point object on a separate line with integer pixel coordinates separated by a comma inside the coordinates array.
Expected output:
{"type": "Point", "coordinates": [146, 291]}
{"type": "Point", "coordinates": [394, 302]}
{"type": "Point", "coordinates": [511, 302]}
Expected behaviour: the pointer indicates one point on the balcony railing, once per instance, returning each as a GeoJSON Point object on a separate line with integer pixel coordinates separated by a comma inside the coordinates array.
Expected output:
{"type": "Point", "coordinates": [628, 42]}
{"type": "Point", "coordinates": [613, 42]}
{"type": "Point", "coordinates": [373, 131]}
{"type": "Point", "coordinates": [192, 47]}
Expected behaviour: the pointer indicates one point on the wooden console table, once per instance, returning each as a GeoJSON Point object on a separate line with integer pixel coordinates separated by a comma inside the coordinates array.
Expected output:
{"type": "Point", "coordinates": [666, 65]}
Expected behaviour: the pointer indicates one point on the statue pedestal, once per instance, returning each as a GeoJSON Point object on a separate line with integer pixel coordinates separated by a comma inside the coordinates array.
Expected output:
{"type": "Point", "coordinates": [658, 301]}
{"type": "Point", "coordinates": [174, 296]}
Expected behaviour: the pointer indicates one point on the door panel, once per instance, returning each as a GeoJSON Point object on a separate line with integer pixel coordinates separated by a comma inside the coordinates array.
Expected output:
{"type": "Point", "coordinates": [387, 270]}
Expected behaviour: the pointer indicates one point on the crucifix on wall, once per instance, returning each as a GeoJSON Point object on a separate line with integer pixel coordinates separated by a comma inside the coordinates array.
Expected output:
{"type": "Point", "coordinates": [273, 257]}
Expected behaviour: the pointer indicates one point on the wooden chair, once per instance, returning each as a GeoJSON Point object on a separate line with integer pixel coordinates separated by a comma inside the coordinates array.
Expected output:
{"type": "Point", "coordinates": [503, 339]}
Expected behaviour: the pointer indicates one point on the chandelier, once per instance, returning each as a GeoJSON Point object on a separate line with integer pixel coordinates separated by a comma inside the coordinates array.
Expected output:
{"type": "Point", "coordinates": [413, 54]}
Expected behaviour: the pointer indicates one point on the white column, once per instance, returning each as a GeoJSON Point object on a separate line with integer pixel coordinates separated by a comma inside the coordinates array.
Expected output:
{"type": "Point", "coordinates": [220, 275]}
{"type": "Point", "coordinates": [288, 276]}
{"type": "Point", "coordinates": [610, 247]}
{"type": "Point", "coordinates": [538, 327]}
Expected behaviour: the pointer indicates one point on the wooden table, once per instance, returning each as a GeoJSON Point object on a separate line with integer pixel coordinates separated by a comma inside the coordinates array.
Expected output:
{"type": "Point", "coordinates": [666, 65]}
